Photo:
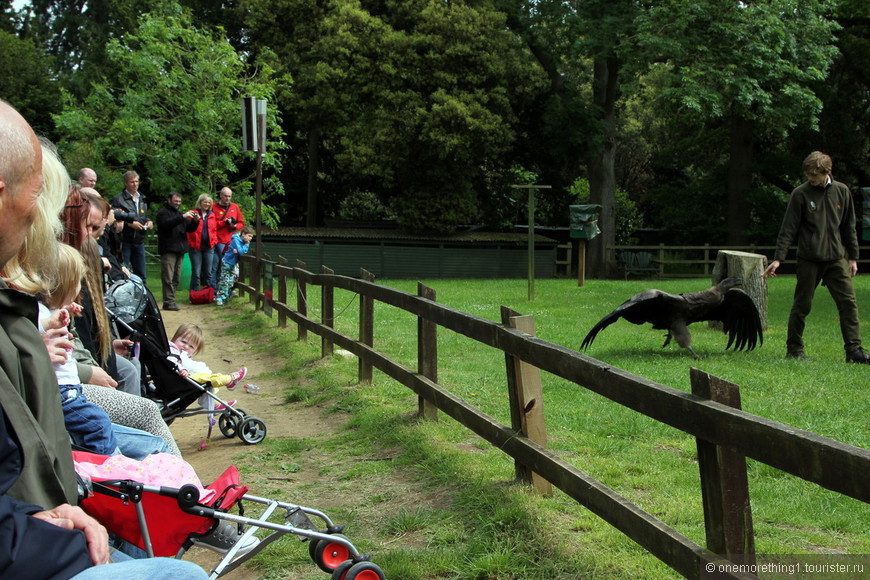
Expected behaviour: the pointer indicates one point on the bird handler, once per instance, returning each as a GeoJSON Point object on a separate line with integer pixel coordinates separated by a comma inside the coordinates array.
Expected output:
{"type": "Point", "coordinates": [820, 218]}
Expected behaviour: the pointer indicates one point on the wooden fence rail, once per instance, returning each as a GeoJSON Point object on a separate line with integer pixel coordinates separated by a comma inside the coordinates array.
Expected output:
{"type": "Point", "coordinates": [671, 261]}
{"type": "Point", "coordinates": [724, 432]}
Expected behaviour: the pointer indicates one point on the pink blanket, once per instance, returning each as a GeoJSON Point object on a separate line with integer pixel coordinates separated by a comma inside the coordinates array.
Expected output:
{"type": "Point", "coordinates": [160, 469]}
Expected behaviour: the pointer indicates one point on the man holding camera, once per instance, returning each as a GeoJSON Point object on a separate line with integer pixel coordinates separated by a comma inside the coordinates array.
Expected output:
{"type": "Point", "coordinates": [132, 209]}
{"type": "Point", "coordinates": [172, 229]}
{"type": "Point", "coordinates": [229, 221]}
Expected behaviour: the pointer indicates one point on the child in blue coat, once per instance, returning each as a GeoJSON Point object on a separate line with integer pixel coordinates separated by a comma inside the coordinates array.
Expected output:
{"type": "Point", "coordinates": [229, 270]}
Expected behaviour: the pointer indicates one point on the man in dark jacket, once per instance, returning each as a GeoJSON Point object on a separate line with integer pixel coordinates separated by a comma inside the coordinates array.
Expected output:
{"type": "Point", "coordinates": [132, 209]}
{"type": "Point", "coordinates": [820, 218]}
{"type": "Point", "coordinates": [172, 229]}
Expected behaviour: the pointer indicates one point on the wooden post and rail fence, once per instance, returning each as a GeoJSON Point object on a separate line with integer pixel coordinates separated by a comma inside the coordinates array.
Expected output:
{"type": "Point", "coordinates": [668, 261]}
{"type": "Point", "coordinates": [711, 413]}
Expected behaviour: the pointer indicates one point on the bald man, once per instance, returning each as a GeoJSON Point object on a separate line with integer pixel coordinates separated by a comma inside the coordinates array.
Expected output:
{"type": "Point", "coordinates": [229, 221]}
{"type": "Point", "coordinates": [36, 466]}
{"type": "Point", "coordinates": [87, 177]}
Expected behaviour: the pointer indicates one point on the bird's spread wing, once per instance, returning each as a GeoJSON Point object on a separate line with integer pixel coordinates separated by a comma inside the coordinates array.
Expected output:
{"type": "Point", "coordinates": [648, 306]}
{"type": "Point", "coordinates": [740, 320]}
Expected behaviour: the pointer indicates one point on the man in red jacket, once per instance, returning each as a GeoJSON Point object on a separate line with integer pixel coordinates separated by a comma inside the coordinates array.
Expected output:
{"type": "Point", "coordinates": [229, 220]}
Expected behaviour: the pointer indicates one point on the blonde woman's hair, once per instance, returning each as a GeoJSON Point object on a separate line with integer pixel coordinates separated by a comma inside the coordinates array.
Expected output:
{"type": "Point", "coordinates": [34, 268]}
{"type": "Point", "coordinates": [203, 197]}
{"type": "Point", "coordinates": [67, 284]}
{"type": "Point", "coordinates": [192, 333]}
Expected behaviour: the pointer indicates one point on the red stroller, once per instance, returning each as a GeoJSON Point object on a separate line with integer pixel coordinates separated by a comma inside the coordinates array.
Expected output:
{"type": "Point", "coordinates": [164, 520]}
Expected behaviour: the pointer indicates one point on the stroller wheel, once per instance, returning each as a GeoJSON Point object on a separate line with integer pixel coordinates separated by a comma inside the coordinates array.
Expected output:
{"type": "Point", "coordinates": [358, 571]}
{"type": "Point", "coordinates": [252, 430]}
{"type": "Point", "coordinates": [329, 555]}
{"type": "Point", "coordinates": [341, 569]}
{"type": "Point", "coordinates": [228, 424]}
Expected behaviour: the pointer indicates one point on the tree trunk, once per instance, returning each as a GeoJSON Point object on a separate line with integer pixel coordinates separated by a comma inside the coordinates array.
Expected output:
{"type": "Point", "coordinates": [601, 169]}
{"type": "Point", "coordinates": [749, 267]}
{"type": "Point", "coordinates": [737, 211]}
{"type": "Point", "coordinates": [313, 166]}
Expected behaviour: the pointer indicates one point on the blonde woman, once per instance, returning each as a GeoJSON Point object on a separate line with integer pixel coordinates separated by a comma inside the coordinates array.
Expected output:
{"type": "Point", "coordinates": [202, 241]}
{"type": "Point", "coordinates": [31, 270]}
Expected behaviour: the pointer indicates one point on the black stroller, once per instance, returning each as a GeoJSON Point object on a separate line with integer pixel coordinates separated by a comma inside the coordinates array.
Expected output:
{"type": "Point", "coordinates": [133, 310]}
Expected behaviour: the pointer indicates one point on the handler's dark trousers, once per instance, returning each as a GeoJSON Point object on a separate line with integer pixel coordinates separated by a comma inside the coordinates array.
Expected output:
{"type": "Point", "coordinates": [835, 276]}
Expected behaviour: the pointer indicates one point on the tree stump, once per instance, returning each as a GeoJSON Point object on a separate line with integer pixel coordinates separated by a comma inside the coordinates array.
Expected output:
{"type": "Point", "coordinates": [731, 263]}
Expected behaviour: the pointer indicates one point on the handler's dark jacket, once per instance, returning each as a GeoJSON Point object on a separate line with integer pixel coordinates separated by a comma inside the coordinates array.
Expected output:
{"type": "Point", "coordinates": [31, 399]}
{"type": "Point", "coordinates": [821, 220]}
{"type": "Point", "coordinates": [124, 201]}
{"type": "Point", "coordinates": [172, 229]}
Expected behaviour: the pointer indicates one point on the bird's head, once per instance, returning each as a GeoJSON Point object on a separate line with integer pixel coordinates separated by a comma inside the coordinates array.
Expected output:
{"type": "Point", "coordinates": [729, 283]}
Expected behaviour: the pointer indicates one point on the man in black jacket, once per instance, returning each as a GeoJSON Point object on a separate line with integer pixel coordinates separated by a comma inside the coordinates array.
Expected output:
{"type": "Point", "coordinates": [133, 211]}
{"type": "Point", "coordinates": [172, 228]}
{"type": "Point", "coordinates": [820, 218]}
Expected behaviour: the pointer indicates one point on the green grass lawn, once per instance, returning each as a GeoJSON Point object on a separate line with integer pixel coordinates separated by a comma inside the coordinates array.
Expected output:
{"type": "Point", "coordinates": [490, 530]}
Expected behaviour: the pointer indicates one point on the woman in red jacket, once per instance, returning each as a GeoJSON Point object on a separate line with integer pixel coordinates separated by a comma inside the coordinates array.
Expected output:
{"type": "Point", "coordinates": [202, 241]}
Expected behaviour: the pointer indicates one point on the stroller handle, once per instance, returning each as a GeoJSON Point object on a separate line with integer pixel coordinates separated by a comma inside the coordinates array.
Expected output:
{"type": "Point", "coordinates": [131, 333]}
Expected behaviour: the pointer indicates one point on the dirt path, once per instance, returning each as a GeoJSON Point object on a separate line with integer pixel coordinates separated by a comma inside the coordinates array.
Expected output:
{"type": "Point", "coordinates": [282, 420]}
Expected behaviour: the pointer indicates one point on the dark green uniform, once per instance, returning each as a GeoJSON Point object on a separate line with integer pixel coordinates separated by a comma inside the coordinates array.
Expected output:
{"type": "Point", "coordinates": [821, 221]}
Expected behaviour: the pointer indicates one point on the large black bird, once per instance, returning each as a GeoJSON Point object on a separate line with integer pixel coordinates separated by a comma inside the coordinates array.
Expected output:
{"type": "Point", "coordinates": [724, 302]}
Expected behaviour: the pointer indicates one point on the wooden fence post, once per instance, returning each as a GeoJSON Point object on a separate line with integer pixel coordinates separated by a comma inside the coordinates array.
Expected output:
{"type": "Point", "coordinates": [427, 354]}
{"type": "Point", "coordinates": [301, 301]}
{"type": "Point", "coordinates": [526, 400]}
{"type": "Point", "coordinates": [243, 271]}
{"type": "Point", "coordinates": [255, 283]}
{"type": "Point", "coordinates": [282, 299]}
{"type": "Point", "coordinates": [327, 316]}
{"type": "Point", "coordinates": [366, 327]}
{"type": "Point", "coordinates": [581, 261]}
{"type": "Point", "coordinates": [724, 482]}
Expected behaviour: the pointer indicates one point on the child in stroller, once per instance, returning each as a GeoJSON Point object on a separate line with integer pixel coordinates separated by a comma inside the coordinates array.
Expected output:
{"type": "Point", "coordinates": [88, 425]}
{"type": "Point", "coordinates": [137, 502]}
{"type": "Point", "coordinates": [187, 342]}
{"type": "Point", "coordinates": [133, 308]}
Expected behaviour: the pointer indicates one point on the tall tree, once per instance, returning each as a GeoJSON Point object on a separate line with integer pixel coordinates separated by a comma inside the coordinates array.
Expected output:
{"type": "Point", "coordinates": [181, 128]}
{"type": "Point", "coordinates": [845, 122]}
{"type": "Point", "coordinates": [28, 81]}
{"type": "Point", "coordinates": [404, 95]}
{"type": "Point", "coordinates": [9, 18]}
{"type": "Point", "coordinates": [77, 32]}
{"type": "Point", "coordinates": [581, 47]}
{"type": "Point", "coordinates": [749, 65]}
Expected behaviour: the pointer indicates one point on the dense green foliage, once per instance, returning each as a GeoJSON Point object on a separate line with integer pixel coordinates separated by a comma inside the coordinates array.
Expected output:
{"type": "Point", "coordinates": [27, 81]}
{"type": "Point", "coordinates": [179, 128]}
{"type": "Point", "coordinates": [700, 111]}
